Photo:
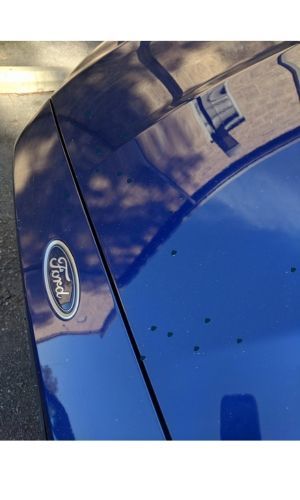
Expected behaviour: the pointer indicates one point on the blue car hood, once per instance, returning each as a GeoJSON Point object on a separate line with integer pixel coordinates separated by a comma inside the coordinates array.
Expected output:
{"type": "Point", "coordinates": [169, 172]}
{"type": "Point", "coordinates": [189, 190]}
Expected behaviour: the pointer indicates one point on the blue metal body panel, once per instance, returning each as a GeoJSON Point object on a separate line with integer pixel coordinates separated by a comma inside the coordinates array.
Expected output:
{"type": "Point", "coordinates": [192, 195]}
{"type": "Point", "coordinates": [91, 382]}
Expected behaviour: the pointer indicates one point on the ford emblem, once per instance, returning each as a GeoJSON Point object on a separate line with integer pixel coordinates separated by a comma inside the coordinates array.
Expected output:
{"type": "Point", "coordinates": [61, 279]}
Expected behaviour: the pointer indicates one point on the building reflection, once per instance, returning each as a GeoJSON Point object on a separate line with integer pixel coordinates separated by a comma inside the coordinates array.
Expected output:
{"type": "Point", "coordinates": [220, 114]}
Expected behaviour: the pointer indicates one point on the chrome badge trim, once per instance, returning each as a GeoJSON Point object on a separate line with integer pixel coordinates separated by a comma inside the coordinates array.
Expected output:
{"type": "Point", "coordinates": [61, 279]}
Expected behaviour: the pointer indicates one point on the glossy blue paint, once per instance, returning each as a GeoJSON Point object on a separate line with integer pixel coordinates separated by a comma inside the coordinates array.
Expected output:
{"type": "Point", "coordinates": [203, 257]}
{"type": "Point", "coordinates": [91, 382]}
{"type": "Point", "coordinates": [192, 193]}
{"type": "Point", "coordinates": [231, 300]}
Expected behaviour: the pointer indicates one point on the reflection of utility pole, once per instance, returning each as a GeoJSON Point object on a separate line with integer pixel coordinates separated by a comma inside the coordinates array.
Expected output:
{"type": "Point", "coordinates": [147, 59]}
{"type": "Point", "coordinates": [293, 68]}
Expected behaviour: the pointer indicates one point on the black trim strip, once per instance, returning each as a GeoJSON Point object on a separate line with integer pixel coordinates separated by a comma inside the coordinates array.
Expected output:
{"type": "Point", "coordinates": [114, 288]}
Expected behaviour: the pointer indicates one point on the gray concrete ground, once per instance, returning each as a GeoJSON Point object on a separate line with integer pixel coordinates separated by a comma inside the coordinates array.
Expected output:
{"type": "Point", "coordinates": [20, 409]}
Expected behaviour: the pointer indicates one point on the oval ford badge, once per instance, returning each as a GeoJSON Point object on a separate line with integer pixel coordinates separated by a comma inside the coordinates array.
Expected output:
{"type": "Point", "coordinates": [61, 279]}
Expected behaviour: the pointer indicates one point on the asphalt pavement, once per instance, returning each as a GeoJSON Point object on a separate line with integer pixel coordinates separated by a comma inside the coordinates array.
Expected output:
{"type": "Point", "coordinates": [20, 406]}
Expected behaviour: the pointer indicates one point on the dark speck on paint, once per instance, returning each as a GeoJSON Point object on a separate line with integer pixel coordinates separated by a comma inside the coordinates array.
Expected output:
{"type": "Point", "coordinates": [196, 348]}
{"type": "Point", "coordinates": [174, 252]}
{"type": "Point", "coordinates": [293, 269]}
{"type": "Point", "coordinates": [170, 334]}
{"type": "Point", "coordinates": [207, 320]}
{"type": "Point", "coordinates": [239, 340]}
{"type": "Point", "coordinates": [153, 328]}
